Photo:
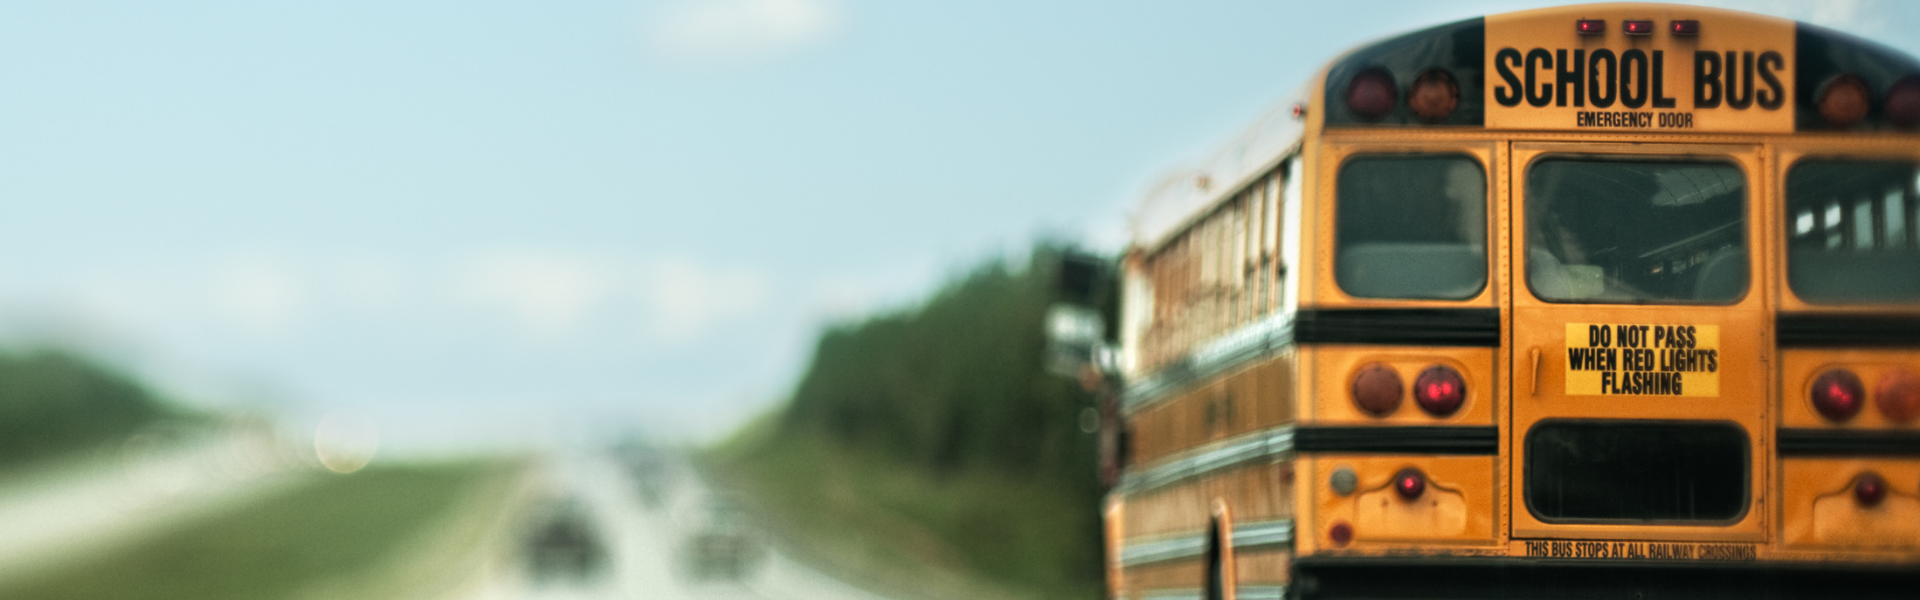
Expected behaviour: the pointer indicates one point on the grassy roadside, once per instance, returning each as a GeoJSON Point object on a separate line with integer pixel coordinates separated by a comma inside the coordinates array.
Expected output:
{"type": "Point", "coordinates": [908, 532]}
{"type": "Point", "coordinates": [338, 534]}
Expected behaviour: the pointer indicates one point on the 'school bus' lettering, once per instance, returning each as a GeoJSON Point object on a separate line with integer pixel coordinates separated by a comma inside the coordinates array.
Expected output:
{"type": "Point", "coordinates": [1630, 359]}
{"type": "Point", "coordinates": [1720, 80]}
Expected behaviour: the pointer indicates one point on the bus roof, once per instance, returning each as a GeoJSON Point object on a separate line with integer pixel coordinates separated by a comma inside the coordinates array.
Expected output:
{"type": "Point", "coordinates": [1797, 64]}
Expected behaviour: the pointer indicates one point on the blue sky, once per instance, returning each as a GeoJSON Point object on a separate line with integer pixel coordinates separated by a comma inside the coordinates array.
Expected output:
{"type": "Point", "coordinates": [482, 222]}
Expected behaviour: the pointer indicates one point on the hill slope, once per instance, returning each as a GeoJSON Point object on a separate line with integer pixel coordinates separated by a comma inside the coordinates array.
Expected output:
{"type": "Point", "coordinates": [931, 439]}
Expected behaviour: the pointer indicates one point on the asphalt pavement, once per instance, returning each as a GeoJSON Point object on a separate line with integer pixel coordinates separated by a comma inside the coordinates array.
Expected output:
{"type": "Point", "coordinates": [595, 504]}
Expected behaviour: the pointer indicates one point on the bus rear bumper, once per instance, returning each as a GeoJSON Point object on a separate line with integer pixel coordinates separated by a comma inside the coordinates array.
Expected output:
{"type": "Point", "coordinates": [1355, 578]}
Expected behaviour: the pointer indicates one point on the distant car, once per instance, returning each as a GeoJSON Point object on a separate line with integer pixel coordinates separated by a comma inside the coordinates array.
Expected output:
{"type": "Point", "coordinates": [720, 543]}
{"type": "Point", "coordinates": [562, 543]}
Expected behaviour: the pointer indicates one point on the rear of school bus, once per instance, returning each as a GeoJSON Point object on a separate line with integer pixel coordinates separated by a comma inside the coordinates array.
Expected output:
{"type": "Point", "coordinates": [1651, 276]}
{"type": "Point", "coordinates": [1614, 300]}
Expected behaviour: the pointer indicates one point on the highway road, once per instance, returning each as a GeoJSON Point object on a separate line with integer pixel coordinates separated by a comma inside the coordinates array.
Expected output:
{"type": "Point", "coordinates": [642, 543]}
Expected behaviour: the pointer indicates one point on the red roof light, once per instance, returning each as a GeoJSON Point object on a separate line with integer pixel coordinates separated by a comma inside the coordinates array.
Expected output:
{"type": "Point", "coordinates": [1686, 27]}
{"type": "Point", "coordinates": [1903, 102]}
{"type": "Point", "coordinates": [1590, 26]}
{"type": "Point", "coordinates": [1371, 94]}
{"type": "Point", "coordinates": [1637, 27]}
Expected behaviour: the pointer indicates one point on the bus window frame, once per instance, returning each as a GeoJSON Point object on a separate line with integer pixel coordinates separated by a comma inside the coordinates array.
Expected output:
{"type": "Point", "coordinates": [1788, 154]}
{"type": "Point", "coordinates": [1326, 290]}
{"type": "Point", "coordinates": [1519, 227]}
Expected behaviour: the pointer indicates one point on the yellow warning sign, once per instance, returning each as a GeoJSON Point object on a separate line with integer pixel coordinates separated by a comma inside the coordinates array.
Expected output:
{"type": "Point", "coordinates": [1631, 359]}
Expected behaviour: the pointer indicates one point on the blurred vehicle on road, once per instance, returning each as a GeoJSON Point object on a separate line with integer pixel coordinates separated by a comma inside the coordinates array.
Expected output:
{"type": "Point", "coordinates": [562, 542]}
{"type": "Point", "coordinates": [720, 542]}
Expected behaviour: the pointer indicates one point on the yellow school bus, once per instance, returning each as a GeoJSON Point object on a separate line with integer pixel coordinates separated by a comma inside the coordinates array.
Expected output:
{"type": "Point", "coordinates": [1613, 300]}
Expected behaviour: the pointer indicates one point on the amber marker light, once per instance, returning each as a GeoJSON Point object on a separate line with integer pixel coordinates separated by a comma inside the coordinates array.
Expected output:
{"type": "Point", "coordinates": [1409, 483]}
{"type": "Point", "coordinates": [1376, 389]}
{"type": "Point", "coordinates": [1838, 395]}
{"type": "Point", "coordinates": [1898, 395]}
{"type": "Point", "coordinates": [1434, 96]}
{"type": "Point", "coordinates": [1843, 101]}
{"type": "Point", "coordinates": [1869, 489]}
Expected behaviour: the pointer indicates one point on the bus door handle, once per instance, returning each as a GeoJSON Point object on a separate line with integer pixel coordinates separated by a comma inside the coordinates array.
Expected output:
{"type": "Point", "coordinates": [1533, 382]}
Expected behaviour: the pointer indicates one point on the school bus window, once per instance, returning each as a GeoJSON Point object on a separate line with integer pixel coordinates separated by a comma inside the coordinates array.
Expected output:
{"type": "Point", "coordinates": [1411, 226]}
{"type": "Point", "coordinates": [1851, 231]}
{"type": "Point", "coordinates": [1636, 231]}
{"type": "Point", "coordinates": [1585, 470]}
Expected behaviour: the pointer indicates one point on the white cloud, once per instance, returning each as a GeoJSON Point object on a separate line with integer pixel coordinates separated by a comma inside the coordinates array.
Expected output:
{"type": "Point", "coordinates": [742, 31]}
{"type": "Point", "coordinates": [550, 294]}
{"type": "Point", "coordinates": [262, 296]}
{"type": "Point", "coordinates": [686, 298]}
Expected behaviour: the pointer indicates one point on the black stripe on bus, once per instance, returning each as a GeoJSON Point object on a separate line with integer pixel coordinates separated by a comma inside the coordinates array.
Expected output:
{"type": "Point", "coordinates": [1399, 326]}
{"type": "Point", "coordinates": [1398, 440]}
{"type": "Point", "coordinates": [1813, 330]}
{"type": "Point", "coordinates": [1848, 442]}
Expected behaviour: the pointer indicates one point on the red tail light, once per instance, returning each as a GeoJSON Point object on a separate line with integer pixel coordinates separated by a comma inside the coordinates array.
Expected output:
{"type": "Point", "coordinates": [1838, 395]}
{"type": "Point", "coordinates": [1843, 101]}
{"type": "Point", "coordinates": [1898, 395]}
{"type": "Point", "coordinates": [1637, 27]}
{"type": "Point", "coordinates": [1869, 489]}
{"type": "Point", "coordinates": [1409, 483]}
{"type": "Point", "coordinates": [1341, 533]}
{"type": "Point", "coordinates": [1903, 102]}
{"type": "Point", "coordinates": [1376, 389]}
{"type": "Point", "coordinates": [1371, 94]}
{"type": "Point", "coordinates": [1590, 26]}
{"type": "Point", "coordinates": [1439, 390]}
{"type": "Point", "coordinates": [1434, 96]}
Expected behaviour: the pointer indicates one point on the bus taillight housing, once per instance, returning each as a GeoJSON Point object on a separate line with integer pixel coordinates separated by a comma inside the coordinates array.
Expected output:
{"type": "Point", "coordinates": [1838, 395]}
{"type": "Point", "coordinates": [1898, 395]}
{"type": "Point", "coordinates": [1869, 489]}
{"type": "Point", "coordinates": [1371, 94]}
{"type": "Point", "coordinates": [1439, 390]}
{"type": "Point", "coordinates": [1409, 483]}
{"type": "Point", "coordinates": [1376, 389]}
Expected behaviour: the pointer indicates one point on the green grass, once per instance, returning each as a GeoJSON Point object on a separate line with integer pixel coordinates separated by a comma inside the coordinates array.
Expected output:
{"type": "Point", "coordinates": [971, 534]}
{"type": "Point", "coordinates": [341, 527]}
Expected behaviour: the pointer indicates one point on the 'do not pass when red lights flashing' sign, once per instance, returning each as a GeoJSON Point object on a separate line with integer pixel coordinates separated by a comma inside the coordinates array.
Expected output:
{"type": "Point", "coordinates": [1716, 72]}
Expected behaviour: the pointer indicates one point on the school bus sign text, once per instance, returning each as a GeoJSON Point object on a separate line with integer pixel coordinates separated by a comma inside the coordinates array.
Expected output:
{"type": "Point", "coordinates": [1631, 359]}
{"type": "Point", "coordinates": [1735, 75]}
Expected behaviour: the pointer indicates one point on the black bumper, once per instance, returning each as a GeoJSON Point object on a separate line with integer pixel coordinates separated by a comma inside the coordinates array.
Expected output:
{"type": "Point", "coordinates": [1462, 578]}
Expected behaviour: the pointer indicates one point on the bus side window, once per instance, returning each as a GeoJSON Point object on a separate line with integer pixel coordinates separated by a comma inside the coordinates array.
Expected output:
{"type": "Point", "coordinates": [1411, 226]}
{"type": "Point", "coordinates": [1852, 237]}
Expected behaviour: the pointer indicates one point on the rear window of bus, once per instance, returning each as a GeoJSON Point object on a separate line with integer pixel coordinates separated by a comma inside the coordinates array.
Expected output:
{"type": "Point", "coordinates": [1636, 231]}
{"type": "Point", "coordinates": [1411, 226]}
{"type": "Point", "coordinates": [1851, 231]}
